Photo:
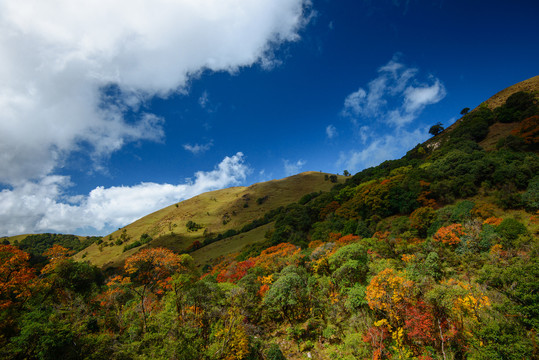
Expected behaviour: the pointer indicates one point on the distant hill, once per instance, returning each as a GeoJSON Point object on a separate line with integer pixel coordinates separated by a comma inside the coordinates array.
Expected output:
{"type": "Point", "coordinates": [215, 212]}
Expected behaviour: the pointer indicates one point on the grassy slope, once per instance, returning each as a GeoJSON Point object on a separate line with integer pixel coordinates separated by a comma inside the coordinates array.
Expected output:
{"type": "Point", "coordinates": [232, 245]}
{"type": "Point", "coordinates": [12, 239]}
{"type": "Point", "coordinates": [209, 210]}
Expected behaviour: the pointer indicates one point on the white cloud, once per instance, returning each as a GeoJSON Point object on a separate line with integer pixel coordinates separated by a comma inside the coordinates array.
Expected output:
{"type": "Point", "coordinates": [364, 134]}
{"type": "Point", "coordinates": [198, 148]}
{"type": "Point", "coordinates": [416, 98]}
{"type": "Point", "coordinates": [331, 131]}
{"type": "Point", "coordinates": [58, 57]}
{"type": "Point", "coordinates": [40, 206]}
{"type": "Point", "coordinates": [293, 168]}
{"type": "Point", "coordinates": [396, 97]}
{"type": "Point", "coordinates": [203, 100]}
{"type": "Point", "coordinates": [382, 110]}
{"type": "Point", "coordinates": [390, 146]}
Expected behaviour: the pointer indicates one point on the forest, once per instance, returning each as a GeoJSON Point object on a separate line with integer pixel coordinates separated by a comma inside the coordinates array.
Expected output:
{"type": "Point", "coordinates": [431, 256]}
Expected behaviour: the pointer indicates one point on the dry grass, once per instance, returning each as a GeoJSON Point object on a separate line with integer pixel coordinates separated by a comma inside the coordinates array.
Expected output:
{"type": "Point", "coordinates": [496, 132]}
{"type": "Point", "coordinates": [530, 85]}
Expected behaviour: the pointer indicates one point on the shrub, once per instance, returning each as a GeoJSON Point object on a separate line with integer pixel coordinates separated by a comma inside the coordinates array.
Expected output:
{"type": "Point", "coordinates": [274, 353]}
{"type": "Point", "coordinates": [193, 226]}
{"type": "Point", "coordinates": [530, 198]}
{"type": "Point", "coordinates": [517, 107]}
{"type": "Point", "coordinates": [509, 230]}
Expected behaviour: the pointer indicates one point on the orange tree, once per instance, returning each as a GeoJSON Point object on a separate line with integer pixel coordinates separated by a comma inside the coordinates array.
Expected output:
{"type": "Point", "coordinates": [150, 272]}
{"type": "Point", "coordinates": [449, 234]}
{"type": "Point", "coordinates": [15, 275]}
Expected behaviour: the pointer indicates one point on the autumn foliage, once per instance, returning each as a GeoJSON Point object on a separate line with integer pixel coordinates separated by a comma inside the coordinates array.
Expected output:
{"type": "Point", "coordinates": [15, 275]}
{"type": "Point", "coordinates": [450, 234]}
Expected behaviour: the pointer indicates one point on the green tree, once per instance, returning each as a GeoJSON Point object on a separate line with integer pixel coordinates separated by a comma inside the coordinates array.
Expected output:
{"type": "Point", "coordinates": [288, 297]}
{"type": "Point", "coordinates": [436, 129]}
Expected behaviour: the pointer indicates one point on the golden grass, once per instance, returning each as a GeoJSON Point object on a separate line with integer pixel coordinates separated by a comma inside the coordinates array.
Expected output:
{"type": "Point", "coordinates": [217, 211]}
{"type": "Point", "coordinates": [498, 99]}
{"type": "Point", "coordinates": [12, 239]}
{"type": "Point", "coordinates": [235, 244]}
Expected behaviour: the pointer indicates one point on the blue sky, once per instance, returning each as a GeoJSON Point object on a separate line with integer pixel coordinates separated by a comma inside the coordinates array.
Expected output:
{"type": "Point", "coordinates": [110, 110]}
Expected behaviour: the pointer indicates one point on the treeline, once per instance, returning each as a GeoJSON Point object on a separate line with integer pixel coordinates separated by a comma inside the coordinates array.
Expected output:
{"type": "Point", "coordinates": [37, 244]}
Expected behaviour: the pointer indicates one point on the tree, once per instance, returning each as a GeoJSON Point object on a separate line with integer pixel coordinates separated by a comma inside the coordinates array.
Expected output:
{"type": "Point", "coordinates": [346, 173]}
{"type": "Point", "coordinates": [389, 291]}
{"type": "Point", "coordinates": [150, 271]}
{"type": "Point", "coordinates": [15, 275]}
{"type": "Point", "coordinates": [464, 111]}
{"type": "Point", "coordinates": [450, 234]}
{"type": "Point", "coordinates": [288, 297]}
{"type": "Point", "coordinates": [436, 129]}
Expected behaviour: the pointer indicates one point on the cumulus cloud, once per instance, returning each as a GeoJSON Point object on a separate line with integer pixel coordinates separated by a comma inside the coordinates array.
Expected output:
{"type": "Point", "coordinates": [40, 206]}
{"type": "Point", "coordinates": [331, 131]}
{"type": "Point", "coordinates": [70, 71]}
{"type": "Point", "coordinates": [291, 168]}
{"type": "Point", "coordinates": [396, 97]}
{"type": "Point", "coordinates": [198, 148]}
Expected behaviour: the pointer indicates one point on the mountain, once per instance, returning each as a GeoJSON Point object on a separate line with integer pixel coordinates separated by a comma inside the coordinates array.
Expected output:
{"type": "Point", "coordinates": [431, 256]}
{"type": "Point", "coordinates": [226, 211]}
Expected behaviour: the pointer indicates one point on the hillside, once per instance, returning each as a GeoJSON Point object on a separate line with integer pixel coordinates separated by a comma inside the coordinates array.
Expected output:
{"type": "Point", "coordinates": [216, 212]}
{"type": "Point", "coordinates": [431, 256]}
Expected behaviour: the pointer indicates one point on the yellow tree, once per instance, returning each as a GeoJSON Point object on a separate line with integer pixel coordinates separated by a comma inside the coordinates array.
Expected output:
{"type": "Point", "coordinates": [233, 343]}
{"type": "Point", "coordinates": [390, 292]}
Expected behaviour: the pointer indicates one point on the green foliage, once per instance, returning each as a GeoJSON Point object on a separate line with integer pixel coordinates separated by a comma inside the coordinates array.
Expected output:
{"type": "Point", "coordinates": [193, 226]}
{"type": "Point", "coordinates": [436, 129]}
{"type": "Point", "coordinates": [42, 336]}
{"type": "Point", "coordinates": [292, 226]}
{"type": "Point", "coordinates": [502, 339]}
{"type": "Point", "coordinates": [288, 296]}
{"type": "Point", "coordinates": [432, 266]}
{"type": "Point", "coordinates": [308, 197]}
{"type": "Point", "coordinates": [38, 244]}
{"type": "Point", "coordinates": [274, 353]}
{"type": "Point", "coordinates": [510, 230]}
{"type": "Point", "coordinates": [518, 282]}
{"type": "Point", "coordinates": [530, 198]}
{"type": "Point", "coordinates": [356, 298]}
{"type": "Point", "coordinates": [517, 107]}
{"type": "Point", "coordinates": [473, 126]}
